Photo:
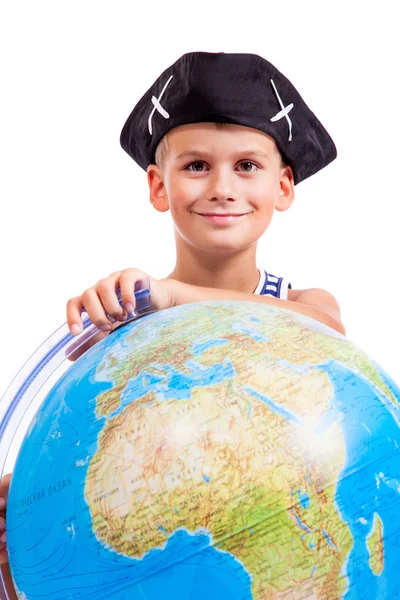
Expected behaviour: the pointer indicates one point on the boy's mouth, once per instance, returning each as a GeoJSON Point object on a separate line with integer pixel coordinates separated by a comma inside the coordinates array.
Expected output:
{"type": "Point", "coordinates": [221, 218]}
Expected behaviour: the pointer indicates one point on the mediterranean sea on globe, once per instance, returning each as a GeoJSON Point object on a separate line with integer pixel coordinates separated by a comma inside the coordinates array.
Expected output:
{"type": "Point", "coordinates": [219, 450]}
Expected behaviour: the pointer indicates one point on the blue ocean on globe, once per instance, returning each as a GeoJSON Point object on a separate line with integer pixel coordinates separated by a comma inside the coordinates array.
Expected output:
{"type": "Point", "coordinates": [56, 552]}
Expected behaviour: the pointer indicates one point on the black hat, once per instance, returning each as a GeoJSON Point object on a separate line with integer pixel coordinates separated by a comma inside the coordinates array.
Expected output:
{"type": "Point", "coordinates": [233, 88]}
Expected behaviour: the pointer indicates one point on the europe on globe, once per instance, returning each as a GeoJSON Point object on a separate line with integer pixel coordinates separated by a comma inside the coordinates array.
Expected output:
{"type": "Point", "coordinates": [218, 450]}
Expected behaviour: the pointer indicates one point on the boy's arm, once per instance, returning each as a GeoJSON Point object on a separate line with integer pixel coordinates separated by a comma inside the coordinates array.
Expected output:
{"type": "Point", "coordinates": [101, 301]}
{"type": "Point", "coordinates": [322, 300]}
{"type": "Point", "coordinates": [315, 303]}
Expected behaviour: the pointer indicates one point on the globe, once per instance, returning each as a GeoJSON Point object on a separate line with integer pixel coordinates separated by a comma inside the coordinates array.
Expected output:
{"type": "Point", "coordinates": [219, 450]}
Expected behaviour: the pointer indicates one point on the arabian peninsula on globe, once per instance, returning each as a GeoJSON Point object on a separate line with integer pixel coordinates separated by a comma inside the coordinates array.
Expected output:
{"type": "Point", "coordinates": [219, 451]}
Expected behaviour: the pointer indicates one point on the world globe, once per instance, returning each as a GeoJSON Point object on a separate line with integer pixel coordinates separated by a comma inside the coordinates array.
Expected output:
{"type": "Point", "coordinates": [218, 450]}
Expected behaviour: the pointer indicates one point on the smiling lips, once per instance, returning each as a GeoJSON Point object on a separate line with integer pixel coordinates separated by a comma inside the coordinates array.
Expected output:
{"type": "Point", "coordinates": [221, 218]}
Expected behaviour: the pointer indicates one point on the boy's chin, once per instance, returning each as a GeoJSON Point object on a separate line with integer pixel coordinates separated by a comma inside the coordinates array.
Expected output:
{"type": "Point", "coordinates": [226, 248]}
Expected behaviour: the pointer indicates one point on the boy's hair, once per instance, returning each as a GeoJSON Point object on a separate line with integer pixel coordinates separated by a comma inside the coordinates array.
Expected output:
{"type": "Point", "coordinates": [162, 148]}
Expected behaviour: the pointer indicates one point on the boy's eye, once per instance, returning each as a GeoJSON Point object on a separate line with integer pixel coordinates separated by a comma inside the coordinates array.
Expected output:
{"type": "Point", "coordinates": [248, 164]}
{"type": "Point", "coordinates": [196, 164]}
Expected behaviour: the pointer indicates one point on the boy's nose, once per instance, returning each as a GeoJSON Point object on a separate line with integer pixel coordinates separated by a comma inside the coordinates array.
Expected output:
{"type": "Point", "coordinates": [222, 186]}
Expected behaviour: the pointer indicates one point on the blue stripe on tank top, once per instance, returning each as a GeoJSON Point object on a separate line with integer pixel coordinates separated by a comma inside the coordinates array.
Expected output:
{"type": "Point", "coordinates": [272, 285]}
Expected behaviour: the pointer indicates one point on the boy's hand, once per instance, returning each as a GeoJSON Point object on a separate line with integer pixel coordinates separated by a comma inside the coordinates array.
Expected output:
{"type": "Point", "coordinates": [100, 301]}
{"type": "Point", "coordinates": [4, 485]}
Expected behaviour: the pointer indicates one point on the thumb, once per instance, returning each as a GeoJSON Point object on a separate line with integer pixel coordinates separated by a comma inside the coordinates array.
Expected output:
{"type": "Point", "coordinates": [4, 487]}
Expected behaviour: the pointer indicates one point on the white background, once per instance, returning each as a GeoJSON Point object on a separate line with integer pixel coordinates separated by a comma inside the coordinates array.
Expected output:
{"type": "Point", "coordinates": [74, 206]}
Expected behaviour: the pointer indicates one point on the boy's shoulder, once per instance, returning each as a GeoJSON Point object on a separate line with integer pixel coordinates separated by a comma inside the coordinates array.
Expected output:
{"type": "Point", "coordinates": [316, 297]}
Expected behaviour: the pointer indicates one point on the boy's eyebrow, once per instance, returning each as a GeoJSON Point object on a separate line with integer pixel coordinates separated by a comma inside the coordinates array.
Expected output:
{"type": "Point", "coordinates": [204, 154]}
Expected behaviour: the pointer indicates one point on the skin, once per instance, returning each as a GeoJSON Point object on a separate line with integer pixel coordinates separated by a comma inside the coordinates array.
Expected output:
{"type": "Point", "coordinates": [221, 175]}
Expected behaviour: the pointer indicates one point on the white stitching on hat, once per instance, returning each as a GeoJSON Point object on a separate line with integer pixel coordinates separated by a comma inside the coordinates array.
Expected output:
{"type": "Point", "coordinates": [157, 106]}
{"type": "Point", "coordinates": [284, 112]}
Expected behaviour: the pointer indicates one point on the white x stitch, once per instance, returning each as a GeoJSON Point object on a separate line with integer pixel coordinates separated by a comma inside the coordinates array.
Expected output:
{"type": "Point", "coordinates": [284, 112]}
{"type": "Point", "coordinates": [157, 106]}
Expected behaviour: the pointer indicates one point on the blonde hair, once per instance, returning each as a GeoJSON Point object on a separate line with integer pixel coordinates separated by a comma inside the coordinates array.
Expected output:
{"type": "Point", "coordinates": [162, 148]}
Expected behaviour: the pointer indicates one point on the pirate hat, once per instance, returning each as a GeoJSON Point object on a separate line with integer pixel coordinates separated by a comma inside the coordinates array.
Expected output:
{"type": "Point", "coordinates": [233, 88]}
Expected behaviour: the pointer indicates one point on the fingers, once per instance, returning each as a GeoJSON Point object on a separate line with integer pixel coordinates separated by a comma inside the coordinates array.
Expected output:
{"type": "Point", "coordinates": [101, 301]}
{"type": "Point", "coordinates": [2, 533]}
{"type": "Point", "coordinates": [106, 293]}
{"type": "Point", "coordinates": [98, 301]}
{"type": "Point", "coordinates": [74, 309]}
{"type": "Point", "coordinates": [127, 280]}
{"type": "Point", "coordinates": [3, 554]}
{"type": "Point", "coordinates": [4, 486]}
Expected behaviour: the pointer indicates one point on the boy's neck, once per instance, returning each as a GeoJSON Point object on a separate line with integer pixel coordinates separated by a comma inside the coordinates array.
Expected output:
{"type": "Point", "coordinates": [235, 272]}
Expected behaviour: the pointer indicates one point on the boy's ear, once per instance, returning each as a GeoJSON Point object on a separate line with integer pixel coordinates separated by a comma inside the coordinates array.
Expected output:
{"type": "Point", "coordinates": [158, 193]}
{"type": "Point", "coordinates": [286, 194]}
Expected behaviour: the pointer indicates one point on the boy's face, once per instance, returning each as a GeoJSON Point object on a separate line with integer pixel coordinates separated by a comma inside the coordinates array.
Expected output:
{"type": "Point", "coordinates": [221, 185]}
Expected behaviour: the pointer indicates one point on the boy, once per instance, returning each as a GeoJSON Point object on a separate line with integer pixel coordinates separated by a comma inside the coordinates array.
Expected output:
{"type": "Point", "coordinates": [206, 117]}
{"type": "Point", "coordinates": [224, 138]}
